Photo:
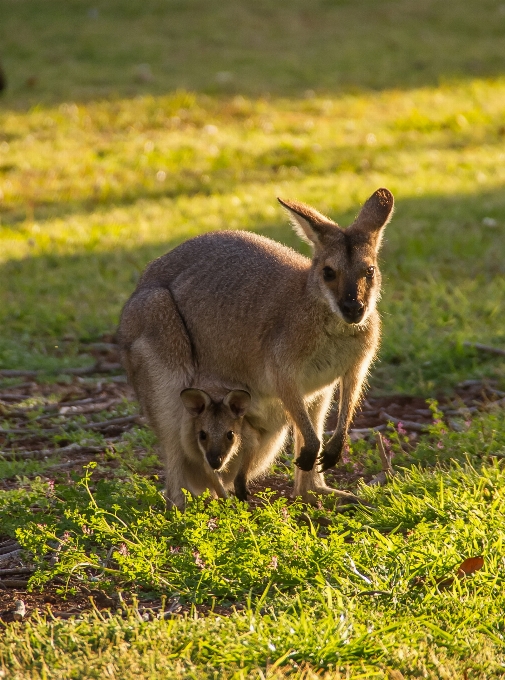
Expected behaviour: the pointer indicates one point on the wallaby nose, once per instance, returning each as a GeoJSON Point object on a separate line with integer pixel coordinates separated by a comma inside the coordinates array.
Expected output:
{"type": "Point", "coordinates": [215, 459]}
{"type": "Point", "coordinates": [352, 310]}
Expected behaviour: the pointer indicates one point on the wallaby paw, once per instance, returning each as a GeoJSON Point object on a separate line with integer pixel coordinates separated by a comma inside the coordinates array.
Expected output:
{"type": "Point", "coordinates": [307, 458]}
{"type": "Point", "coordinates": [241, 489]}
{"type": "Point", "coordinates": [242, 494]}
{"type": "Point", "coordinates": [329, 459]}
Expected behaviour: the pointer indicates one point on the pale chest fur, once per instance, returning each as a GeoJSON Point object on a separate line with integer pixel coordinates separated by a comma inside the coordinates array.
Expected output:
{"type": "Point", "coordinates": [335, 354]}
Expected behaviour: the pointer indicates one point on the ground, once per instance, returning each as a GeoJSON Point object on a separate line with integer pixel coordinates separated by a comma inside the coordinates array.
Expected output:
{"type": "Point", "coordinates": [128, 128]}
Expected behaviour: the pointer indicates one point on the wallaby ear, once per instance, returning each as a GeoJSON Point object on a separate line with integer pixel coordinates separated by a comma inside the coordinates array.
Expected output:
{"type": "Point", "coordinates": [195, 401]}
{"type": "Point", "coordinates": [238, 401]}
{"type": "Point", "coordinates": [310, 225]}
{"type": "Point", "coordinates": [375, 214]}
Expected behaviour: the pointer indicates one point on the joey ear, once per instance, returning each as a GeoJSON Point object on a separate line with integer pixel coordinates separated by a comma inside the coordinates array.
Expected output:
{"type": "Point", "coordinates": [375, 214]}
{"type": "Point", "coordinates": [195, 401]}
{"type": "Point", "coordinates": [238, 401]}
{"type": "Point", "coordinates": [310, 225]}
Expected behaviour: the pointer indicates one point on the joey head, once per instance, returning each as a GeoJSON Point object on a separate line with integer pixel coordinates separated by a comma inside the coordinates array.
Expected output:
{"type": "Point", "coordinates": [215, 426]}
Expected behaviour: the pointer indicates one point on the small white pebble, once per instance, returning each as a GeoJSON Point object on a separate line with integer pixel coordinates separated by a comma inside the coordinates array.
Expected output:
{"type": "Point", "coordinates": [490, 222]}
{"type": "Point", "coordinates": [20, 610]}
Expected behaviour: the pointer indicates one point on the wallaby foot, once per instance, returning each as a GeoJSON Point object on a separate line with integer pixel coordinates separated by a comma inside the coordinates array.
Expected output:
{"type": "Point", "coordinates": [307, 458]}
{"type": "Point", "coordinates": [344, 496]}
{"type": "Point", "coordinates": [309, 496]}
{"type": "Point", "coordinates": [240, 485]}
{"type": "Point", "coordinates": [309, 485]}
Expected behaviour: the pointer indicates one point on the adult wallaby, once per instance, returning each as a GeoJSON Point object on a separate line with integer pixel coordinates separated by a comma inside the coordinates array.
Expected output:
{"type": "Point", "coordinates": [288, 328]}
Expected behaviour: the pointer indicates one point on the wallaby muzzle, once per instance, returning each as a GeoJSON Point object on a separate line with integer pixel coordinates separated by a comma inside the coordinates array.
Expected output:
{"type": "Point", "coordinates": [353, 311]}
{"type": "Point", "coordinates": [214, 459]}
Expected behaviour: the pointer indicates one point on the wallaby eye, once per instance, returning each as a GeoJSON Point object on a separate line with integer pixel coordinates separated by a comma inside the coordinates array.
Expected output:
{"type": "Point", "coordinates": [202, 435]}
{"type": "Point", "coordinates": [329, 274]}
{"type": "Point", "coordinates": [230, 435]}
{"type": "Point", "coordinates": [370, 272]}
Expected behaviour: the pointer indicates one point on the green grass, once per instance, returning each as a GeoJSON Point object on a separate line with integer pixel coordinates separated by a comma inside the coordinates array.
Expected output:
{"type": "Point", "coordinates": [303, 589]}
{"type": "Point", "coordinates": [105, 163]}
{"type": "Point", "coordinates": [93, 192]}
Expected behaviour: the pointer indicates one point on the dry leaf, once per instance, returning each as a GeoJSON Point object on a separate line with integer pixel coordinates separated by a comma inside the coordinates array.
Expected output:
{"type": "Point", "coordinates": [470, 566]}
{"type": "Point", "coordinates": [466, 568]}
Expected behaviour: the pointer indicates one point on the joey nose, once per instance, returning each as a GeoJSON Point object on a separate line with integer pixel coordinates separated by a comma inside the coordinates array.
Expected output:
{"type": "Point", "coordinates": [352, 310]}
{"type": "Point", "coordinates": [214, 459]}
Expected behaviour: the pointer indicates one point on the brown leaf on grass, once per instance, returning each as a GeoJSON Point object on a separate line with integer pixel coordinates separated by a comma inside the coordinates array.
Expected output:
{"type": "Point", "coordinates": [466, 568]}
{"type": "Point", "coordinates": [470, 566]}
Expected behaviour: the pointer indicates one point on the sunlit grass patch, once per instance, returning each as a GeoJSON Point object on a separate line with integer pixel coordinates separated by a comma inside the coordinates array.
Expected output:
{"type": "Point", "coordinates": [92, 192]}
{"type": "Point", "coordinates": [362, 590]}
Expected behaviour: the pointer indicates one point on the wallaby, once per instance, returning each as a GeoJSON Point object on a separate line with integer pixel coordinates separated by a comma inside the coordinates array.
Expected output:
{"type": "Point", "coordinates": [206, 431]}
{"type": "Point", "coordinates": [211, 437]}
{"type": "Point", "coordinates": [288, 328]}
{"type": "Point", "coordinates": [218, 428]}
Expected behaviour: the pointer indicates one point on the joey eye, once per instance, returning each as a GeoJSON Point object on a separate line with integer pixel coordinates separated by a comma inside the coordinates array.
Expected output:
{"type": "Point", "coordinates": [202, 436]}
{"type": "Point", "coordinates": [329, 274]}
{"type": "Point", "coordinates": [370, 272]}
{"type": "Point", "coordinates": [230, 435]}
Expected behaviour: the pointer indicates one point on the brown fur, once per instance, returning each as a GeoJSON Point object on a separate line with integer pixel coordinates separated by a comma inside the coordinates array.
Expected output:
{"type": "Point", "coordinates": [256, 313]}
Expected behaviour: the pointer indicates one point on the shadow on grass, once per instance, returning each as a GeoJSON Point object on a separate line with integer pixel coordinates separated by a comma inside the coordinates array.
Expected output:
{"type": "Point", "coordinates": [64, 50]}
{"type": "Point", "coordinates": [443, 285]}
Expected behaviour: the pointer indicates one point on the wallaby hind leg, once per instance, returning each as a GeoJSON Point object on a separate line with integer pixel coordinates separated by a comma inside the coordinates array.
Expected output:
{"type": "Point", "coordinates": [309, 484]}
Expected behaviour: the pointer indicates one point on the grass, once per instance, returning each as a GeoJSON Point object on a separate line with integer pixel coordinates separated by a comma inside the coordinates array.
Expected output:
{"type": "Point", "coordinates": [93, 192]}
{"type": "Point", "coordinates": [128, 128]}
{"type": "Point", "coordinates": [291, 592]}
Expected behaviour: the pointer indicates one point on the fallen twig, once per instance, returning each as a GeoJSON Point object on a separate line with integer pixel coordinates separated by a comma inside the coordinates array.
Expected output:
{"type": "Point", "coordinates": [46, 453]}
{"type": "Point", "coordinates": [387, 471]}
{"type": "Point", "coordinates": [407, 424]}
{"type": "Point", "coordinates": [15, 397]}
{"type": "Point", "coordinates": [9, 555]}
{"type": "Point", "coordinates": [362, 431]}
{"type": "Point", "coordinates": [485, 348]}
{"type": "Point", "coordinates": [103, 425]}
{"type": "Point", "coordinates": [113, 421]}
{"type": "Point", "coordinates": [68, 411]}
{"type": "Point", "coordinates": [16, 570]}
{"type": "Point", "coordinates": [68, 464]}
{"type": "Point", "coordinates": [9, 548]}
{"type": "Point", "coordinates": [50, 408]}
{"type": "Point", "coordinates": [99, 367]}
{"type": "Point", "coordinates": [464, 410]}
{"type": "Point", "coordinates": [13, 583]}
{"type": "Point", "coordinates": [17, 386]}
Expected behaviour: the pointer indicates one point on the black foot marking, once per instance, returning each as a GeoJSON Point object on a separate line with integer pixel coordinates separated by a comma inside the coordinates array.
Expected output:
{"type": "Point", "coordinates": [327, 461]}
